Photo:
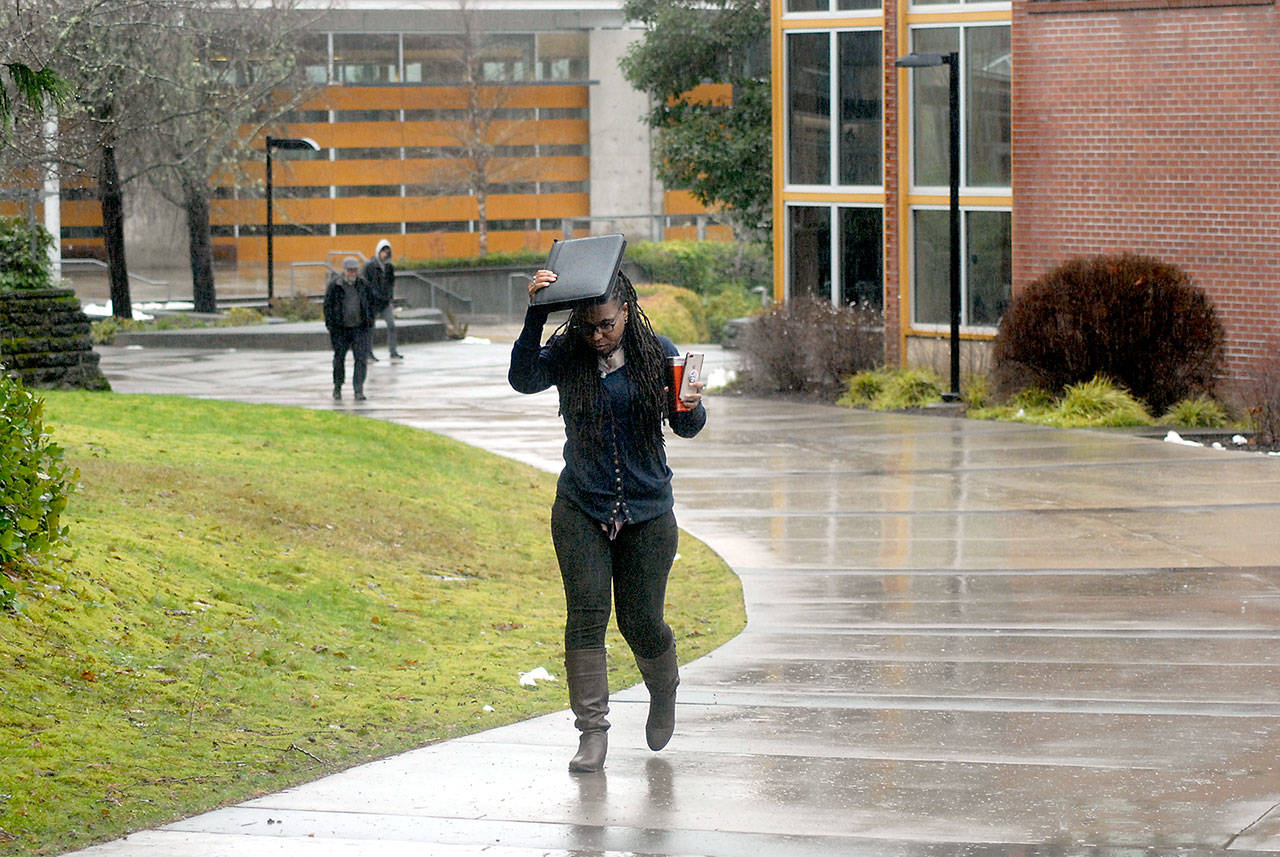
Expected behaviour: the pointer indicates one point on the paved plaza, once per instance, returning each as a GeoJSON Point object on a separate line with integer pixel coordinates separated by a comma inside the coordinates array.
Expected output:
{"type": "Point", "coordinates": [963, 638]}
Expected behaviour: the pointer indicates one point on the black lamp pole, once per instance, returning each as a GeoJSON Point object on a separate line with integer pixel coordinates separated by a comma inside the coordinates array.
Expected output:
{"type": "Point", "coordinates": [952, 60]}
{"type": "Point", "coordinates": [279, 143]}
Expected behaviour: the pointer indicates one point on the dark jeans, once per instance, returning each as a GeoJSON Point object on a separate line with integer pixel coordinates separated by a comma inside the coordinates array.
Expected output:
{"type": "Point", "coordinates": [355, 340]}
{"type": "Point", "coordinates": [635, 565]}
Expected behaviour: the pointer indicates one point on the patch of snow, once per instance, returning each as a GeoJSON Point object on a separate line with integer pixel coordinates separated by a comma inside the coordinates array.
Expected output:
{"type": "Point", "coordinates": [104, 310]}
{"type": "Point", "coordinates": [1174, 437]}
{"type": "Point", "coordinates": [719, 376]}
{"type": "Point", "coordinates": [474, 340]}
{"type": "Point", "coordinates": [535, 675]}
{"type": "Point", "coordinates": [1239, 439]}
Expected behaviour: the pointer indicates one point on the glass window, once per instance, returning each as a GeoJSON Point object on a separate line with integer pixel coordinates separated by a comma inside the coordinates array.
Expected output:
{"type": "Point", "coordinates": [809, 108]}
{"type": "Point", "coordinates": [931, 109]}
{"type": "Point", "coordinates": [987, 106]}
{"type": "Point", "coordinates": [313, 57]}
{"type": "Point", "coordinates": [862, 256]}
{"type": "Point", "coordinates": [506, 58]}
{"type": "Point", "coordinates": [988, 266]}
{"type": "Point", "coordinates": [432, 59]}
{"type": "Point", "coordinates": [985, 102]}
{"type": "Point", "coordinates": [986, 273]}
{"type": "Point", "coordinates": [825, 5]}
{"type": "Point", "coordinates": [809, 228]}
{"type": "Point", "coordinates": [931, 275]}
{"type": "Point", "coordinates": [861, 129]}
{"type": "Point", "coordinates": [562, 56]}
{"type": "Point", "coordinates": [366, 58]}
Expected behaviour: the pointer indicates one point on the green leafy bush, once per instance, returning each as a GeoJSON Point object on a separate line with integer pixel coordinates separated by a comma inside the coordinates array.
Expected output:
{"type": "Point", "coordinates": [24, 255]}
{"type": "Point", "coordinates": [1198, 412]}
{"type": "Point", "coordinates": [728, 303]}
{"type": "Point", "coordinates": [705, 267]}
{"type": "Point", "coordinates": [492, 260]}
{"type": "Point", "coordinates": [242, 316]}
{"type": "Point", "coordinates": [810, 346]}
{"type": "Point", "coordinates": [674, 312]}
{"type": "Point", "coordinates": [34, 483]}
{"type": "Point", "coordinates": [1131, 318]}
{"type": "Point", "coordinates": [297, 308]}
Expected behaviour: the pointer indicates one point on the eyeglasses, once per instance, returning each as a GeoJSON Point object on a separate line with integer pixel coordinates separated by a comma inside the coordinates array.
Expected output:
{"type": "Point", "coordinates": [602, 327]}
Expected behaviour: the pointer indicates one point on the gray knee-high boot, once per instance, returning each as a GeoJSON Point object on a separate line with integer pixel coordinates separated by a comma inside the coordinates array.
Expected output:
{"type": "Point", "coordinates": [661, 676]}
{"type": "Point", "coordinates": [586, 670]}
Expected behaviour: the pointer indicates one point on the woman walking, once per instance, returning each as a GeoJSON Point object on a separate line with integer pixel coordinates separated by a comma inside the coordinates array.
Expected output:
{"type": "Point", "coordinates": [612, 522]}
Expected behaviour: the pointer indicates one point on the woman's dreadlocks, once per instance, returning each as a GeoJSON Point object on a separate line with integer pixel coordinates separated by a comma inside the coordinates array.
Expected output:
{"type": "Point", "coordinates": [581, 395]}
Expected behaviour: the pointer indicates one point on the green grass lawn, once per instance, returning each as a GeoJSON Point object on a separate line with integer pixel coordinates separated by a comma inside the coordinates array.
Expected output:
{"type": "Point", "coordinates": [257, 596]}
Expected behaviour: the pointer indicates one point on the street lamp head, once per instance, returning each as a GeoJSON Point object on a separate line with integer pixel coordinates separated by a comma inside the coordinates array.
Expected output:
{"type": "Point", "coordinates": [922, 60]}
{"type": "Point", "coordinates": [301, 143]}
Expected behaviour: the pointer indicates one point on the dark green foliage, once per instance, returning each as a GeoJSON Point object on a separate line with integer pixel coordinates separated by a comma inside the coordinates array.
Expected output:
{"type": "Point", "coordinates": [704, 266]}
{"type": "Point", "coordinates": [1131, 318]}
{"type": "Point", "coordinates": [24, 255]}
{"type": "Point", "coordinates": [34, 483]}
{"type": "Point", "coordinates": [811, 346]}
{"type": "Point", "coordinates": [719, 152]}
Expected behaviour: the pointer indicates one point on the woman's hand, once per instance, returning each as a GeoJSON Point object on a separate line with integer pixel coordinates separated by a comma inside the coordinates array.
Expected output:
{"type": "Point", "coordinates": [540, 281]}
{"type": "Point", "coordinates": [695, 394]}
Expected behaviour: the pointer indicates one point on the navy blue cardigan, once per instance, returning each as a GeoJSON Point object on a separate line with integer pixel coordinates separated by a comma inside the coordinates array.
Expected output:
{"type": "Point", "coordinates": [624, 483]}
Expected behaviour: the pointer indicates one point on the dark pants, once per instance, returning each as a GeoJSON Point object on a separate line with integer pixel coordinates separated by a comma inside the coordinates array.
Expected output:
{"type": "Point", "coordinates": [355, 340]}
{"type": "Point", "coordinates": [635, 565]}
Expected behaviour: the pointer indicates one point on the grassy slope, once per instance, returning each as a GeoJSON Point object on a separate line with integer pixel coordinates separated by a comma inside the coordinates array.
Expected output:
{"type": "Point", "coordinates": [258, 596]}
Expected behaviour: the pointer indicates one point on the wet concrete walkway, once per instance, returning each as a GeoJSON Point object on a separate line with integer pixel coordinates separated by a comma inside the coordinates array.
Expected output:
{"type": "Point", "coordinates": [963, 638]}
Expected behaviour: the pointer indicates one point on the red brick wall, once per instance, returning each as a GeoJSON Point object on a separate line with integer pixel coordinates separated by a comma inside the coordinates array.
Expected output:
{"type": "Point", "coordinates": [1156, 132]}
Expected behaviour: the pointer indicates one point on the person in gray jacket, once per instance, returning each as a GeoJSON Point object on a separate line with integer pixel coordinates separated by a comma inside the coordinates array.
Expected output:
{"type": "Point", "coordinates": [349, 317]}
{"type": "Point", "coordinates": [380, 274]}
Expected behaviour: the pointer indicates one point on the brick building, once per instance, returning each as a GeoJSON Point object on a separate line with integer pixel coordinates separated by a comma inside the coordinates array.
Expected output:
{"type": "Point", "coordinates": [1089, 126]}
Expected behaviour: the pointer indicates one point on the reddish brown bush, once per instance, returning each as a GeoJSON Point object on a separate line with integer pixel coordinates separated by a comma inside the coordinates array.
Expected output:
{"type": "Point", "coordinates": [1261, 398]}
{"type": "Point", "coordinates": [811, 346]}
{"type": "Point", "coordinates": [1137, 320]}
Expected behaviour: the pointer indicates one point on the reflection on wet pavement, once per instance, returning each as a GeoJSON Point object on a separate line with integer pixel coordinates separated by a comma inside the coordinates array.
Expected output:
{"type": "Point", "coordinates": [964, 638]}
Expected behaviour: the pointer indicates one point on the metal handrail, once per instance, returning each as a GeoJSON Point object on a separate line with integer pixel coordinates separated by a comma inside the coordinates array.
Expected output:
{"type": "Point", "coordinates": [436, 287]}
{"type": "Point", "coordinates": [293, 266]}
{"type": "Point", "coordinates": [101, 264]}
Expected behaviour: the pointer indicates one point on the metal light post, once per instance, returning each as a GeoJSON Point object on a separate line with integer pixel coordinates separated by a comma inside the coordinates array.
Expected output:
{"type": "Point", "coordinates": [952, 60]}
{"type": "Point", "coordinates": [304, 143]}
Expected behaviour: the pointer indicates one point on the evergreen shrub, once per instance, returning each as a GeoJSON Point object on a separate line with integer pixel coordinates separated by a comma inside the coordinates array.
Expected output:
{"type": "Point", "coordinates": [674, 312]}
{"type": "Point", "coordinates": [809, 345]}
{"type": "Point", "coordinates": [24, 255]}
{"type": "Point", "coordinates": [34, 482]}
{"type": "Point", "coordinates": [1132, 318]}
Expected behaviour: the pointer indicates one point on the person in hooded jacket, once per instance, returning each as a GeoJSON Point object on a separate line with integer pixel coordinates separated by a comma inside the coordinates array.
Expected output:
{"type": "Point", "coordinates": [380, 274]}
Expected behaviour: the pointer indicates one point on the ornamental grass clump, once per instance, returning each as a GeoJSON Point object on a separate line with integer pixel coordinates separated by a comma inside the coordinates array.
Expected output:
{"type": "Point", "coordinates": [1098, 402]}
{"type": "Point", "coordinates": [1132, 318]}
{"type": "Point", "coordinates": [1197, 412]}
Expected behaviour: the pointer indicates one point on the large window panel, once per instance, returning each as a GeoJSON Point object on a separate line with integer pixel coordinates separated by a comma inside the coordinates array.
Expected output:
{"type": "Point", "coordinates": [989, 266]}
{"type": "Point", "coordinates": [809, 229]}
{"type": "Point", "coordinates": [862, 256]}
{"type": "Point", "coordinates": [987, 106]}
{"type": "Point", "coordinates": [809, 108]}
{"type": "Point", "coordinates": [931, 108]}
{"type": "Point", "coordinates": [986, 274]}
{"type": "Point", "coordinates": [931, 282]}
{"type": "Point", "coordinates": [366, 58]}
{"type": "Point", "coordinates": [861, 88]}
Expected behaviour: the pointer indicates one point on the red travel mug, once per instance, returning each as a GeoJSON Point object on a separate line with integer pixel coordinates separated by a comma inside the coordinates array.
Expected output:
{"type": "Point", "coordinates": [675, 375]}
